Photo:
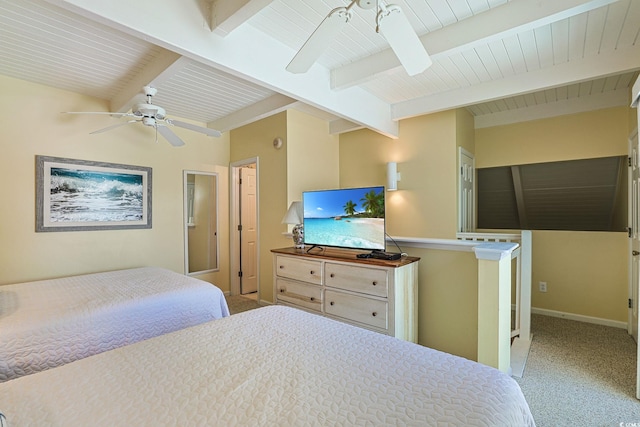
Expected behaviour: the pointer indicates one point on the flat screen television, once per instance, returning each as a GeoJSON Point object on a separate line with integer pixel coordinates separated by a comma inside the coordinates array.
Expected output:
{"type": "Point", "coordinates": [348, 218]}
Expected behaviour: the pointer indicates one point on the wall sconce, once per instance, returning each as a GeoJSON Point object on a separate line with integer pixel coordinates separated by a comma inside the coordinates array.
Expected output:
{"type": "Point", "coordinates": [393, 176]}
{"type": "Point", "coordinates": [295, 216]}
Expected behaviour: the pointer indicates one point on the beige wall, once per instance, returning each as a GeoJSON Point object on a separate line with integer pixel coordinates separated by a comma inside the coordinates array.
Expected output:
{"type": "Point", "coordinates": [586, 272]}
{"type": "Point", "coordinates": [448, 301]}
{"type": "Point", "coordinates": [32, 125]}
{"type": "Point", "coordinates": [593, 134]}
{"type": "Point", "coordinates": [426, 152]}
{"type": "Point", "coordinates": [465, 130]}
{"type": "Point", "coordinates": [313, 156]}
{"type": "Point", "coordinates": [308, 159]}
{"type": "Point", "coordinates": [425, 206]}
{"type": "Point", "coordinates": [256, 140]}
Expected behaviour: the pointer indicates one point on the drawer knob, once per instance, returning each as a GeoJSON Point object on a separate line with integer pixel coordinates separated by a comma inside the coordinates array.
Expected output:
{"type": "Point", "coordinates": [374, 314]}
{"type": "Point", "coordinates": [331, 303]}
{"type": "Point", "coordinates": [312, 272]}
{"type": "Point", "coordinates": [281, 267]}
{"type": "Point", "coordinates": [375, 283]}
{"type": "Point", "coordinates": [282, 290]}
{"type": "Point", "coordinates": [331, 275]}
{"type": "Point", "coordinates": [313, 299]}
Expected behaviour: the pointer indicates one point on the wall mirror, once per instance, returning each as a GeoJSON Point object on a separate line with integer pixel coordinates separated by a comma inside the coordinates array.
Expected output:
{"type": "Point", "coordinates": [200, 222]}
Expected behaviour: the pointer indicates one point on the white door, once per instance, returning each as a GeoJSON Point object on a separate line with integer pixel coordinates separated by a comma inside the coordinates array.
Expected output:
{"type": "Point", "coordinates": [466, 199]}
{"type": "Point", "coordinates": [248, 231]}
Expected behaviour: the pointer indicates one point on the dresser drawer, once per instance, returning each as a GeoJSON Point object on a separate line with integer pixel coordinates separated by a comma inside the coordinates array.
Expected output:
{"type": "Point", "coordinates": [367, 280]}
{"type": "Point", "coordinates": [299, 269]}
{"type": "Point", "coordinates": [301, 294]}
{"type": "Point", "coordinates": [356, 308]}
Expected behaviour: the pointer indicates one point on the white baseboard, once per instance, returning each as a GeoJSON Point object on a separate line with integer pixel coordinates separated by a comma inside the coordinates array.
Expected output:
{"type": "Point", "coordinates": [579, 318]}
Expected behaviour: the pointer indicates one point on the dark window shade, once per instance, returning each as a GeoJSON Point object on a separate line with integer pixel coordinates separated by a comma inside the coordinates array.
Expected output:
{"type": "Point", "coordinates": [497, 206]}
{"type": "Point", "coordinates": [587, 195]}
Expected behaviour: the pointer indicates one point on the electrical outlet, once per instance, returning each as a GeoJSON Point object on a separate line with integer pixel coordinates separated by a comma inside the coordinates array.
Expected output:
{"type": "Point", "coordinates": [542, 286]}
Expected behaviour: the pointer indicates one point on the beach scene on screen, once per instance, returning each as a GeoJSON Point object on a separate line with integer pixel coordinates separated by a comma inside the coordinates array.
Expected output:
{"type": "Point", "coordinates": [352, 218]}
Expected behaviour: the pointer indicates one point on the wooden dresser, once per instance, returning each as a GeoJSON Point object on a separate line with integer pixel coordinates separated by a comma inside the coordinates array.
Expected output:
{"type": "Point", "coordinates": [375, 294]}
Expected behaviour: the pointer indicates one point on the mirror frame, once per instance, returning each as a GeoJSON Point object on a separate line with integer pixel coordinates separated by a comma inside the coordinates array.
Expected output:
{"type": "Point", "coordinates": [185, 221]}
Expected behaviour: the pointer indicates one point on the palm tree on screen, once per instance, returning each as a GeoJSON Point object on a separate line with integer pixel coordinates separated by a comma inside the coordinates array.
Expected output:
{"type": "Point", "coordinates": [349, 208]}
{"type": "Point", "coordinates": [374, 204]}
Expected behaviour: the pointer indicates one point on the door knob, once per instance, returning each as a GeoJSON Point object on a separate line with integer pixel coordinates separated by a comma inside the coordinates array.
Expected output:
{"type": "Point", "coordinates": [635, 253]}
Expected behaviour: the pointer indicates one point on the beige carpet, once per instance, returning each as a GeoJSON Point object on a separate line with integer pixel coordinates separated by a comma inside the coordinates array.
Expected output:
{"type": "Point", "coordinates": [238, 304]}
{"type": "Point", "coordinates": [580, 374]}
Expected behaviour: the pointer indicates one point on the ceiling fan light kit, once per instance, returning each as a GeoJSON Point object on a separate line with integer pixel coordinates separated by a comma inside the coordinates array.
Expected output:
{"type": "Point", "coordinates": [153, 116]}
{"type": "Point", "coordinates": [391, 23]}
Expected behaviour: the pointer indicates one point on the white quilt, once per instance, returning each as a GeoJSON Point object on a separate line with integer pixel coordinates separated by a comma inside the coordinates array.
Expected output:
{"type": "Point", "coordinates": [274, 366]}
{"type": "Point", "coordinates": [48, 323]}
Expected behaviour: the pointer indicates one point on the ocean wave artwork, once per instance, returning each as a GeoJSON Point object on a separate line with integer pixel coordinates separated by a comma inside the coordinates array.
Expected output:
{"type": "Point", "coordinates": [78, 195]}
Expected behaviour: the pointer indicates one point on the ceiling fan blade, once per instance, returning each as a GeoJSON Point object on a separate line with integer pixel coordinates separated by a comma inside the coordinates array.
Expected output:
{"type": "Point", "coordinates": [117, 125]}
{"type": "Point", "coordinates": [319, 39]}
{"type": "Point", "coordinates": [169, 136]}
{"type": "Point", "coordinates": [98, 112]}
{"type": "Point", "coordinates": [206, 131]}
{"type": "Point", "coordinates": [403, 40]}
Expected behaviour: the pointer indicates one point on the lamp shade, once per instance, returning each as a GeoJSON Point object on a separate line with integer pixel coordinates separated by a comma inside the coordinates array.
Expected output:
{"type": "Point", "coordinates": [294, 215]}
{"type": "Point", "coordinates": [392, 176]}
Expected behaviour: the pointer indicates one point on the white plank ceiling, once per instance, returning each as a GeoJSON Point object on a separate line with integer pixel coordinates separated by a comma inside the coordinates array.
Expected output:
{"type": "Point", "coordinates": [222, 62]}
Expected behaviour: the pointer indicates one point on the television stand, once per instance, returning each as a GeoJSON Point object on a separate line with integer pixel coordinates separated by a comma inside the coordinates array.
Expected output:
{"type": "Point", "coordinates": [375, 294]}
{"type": "Point", "coordinates": [315, 246]}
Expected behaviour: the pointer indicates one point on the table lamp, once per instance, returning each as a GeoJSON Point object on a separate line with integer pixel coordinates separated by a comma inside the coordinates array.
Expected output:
{"type": "Point", "coordinates": [295, 216]}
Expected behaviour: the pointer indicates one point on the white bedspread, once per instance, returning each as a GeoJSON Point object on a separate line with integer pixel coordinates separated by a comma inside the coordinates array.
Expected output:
{"type": "Point", "coordinates": [48, 323]}
{"type": "Point", "coordinates": [274, 366]}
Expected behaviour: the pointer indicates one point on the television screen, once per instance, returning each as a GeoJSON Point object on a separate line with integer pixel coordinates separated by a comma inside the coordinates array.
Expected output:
{"type": "Point", "coordinates": [348, 218]}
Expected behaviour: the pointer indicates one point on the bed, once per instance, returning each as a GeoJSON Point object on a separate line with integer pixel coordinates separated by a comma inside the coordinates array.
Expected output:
{"type": "Point", "coordinates": [47, 323]}
{"type": "Point", "coordinates": [272, 366]}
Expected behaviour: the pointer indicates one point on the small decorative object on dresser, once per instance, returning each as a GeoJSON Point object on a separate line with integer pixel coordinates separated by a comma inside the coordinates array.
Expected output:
{"type": "Point", "coordinates": [294, 216]}
{"type": "Point", "coordinates": [381, 295]}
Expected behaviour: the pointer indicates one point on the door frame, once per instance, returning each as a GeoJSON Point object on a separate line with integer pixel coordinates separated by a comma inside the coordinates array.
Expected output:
{"type": "Point", "coordinates": [635, 94]}
{"type": "Point", "coordinates": [634, 158]}
{"type": "Point", "coordinates": [470, 211]}
{"type": "Point", "coordinates": [234, 208]}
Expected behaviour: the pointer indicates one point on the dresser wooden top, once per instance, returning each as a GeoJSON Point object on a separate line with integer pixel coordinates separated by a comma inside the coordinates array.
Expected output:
{"type": "Point", "coordinates": [337, 254]}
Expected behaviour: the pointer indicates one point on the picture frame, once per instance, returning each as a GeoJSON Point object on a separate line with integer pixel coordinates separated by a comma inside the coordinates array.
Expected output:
{"type": "Point", "coordinates": [83, 195]}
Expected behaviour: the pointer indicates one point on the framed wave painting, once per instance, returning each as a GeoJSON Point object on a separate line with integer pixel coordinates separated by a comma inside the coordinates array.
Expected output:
{"type": "Point", "coordinates": [81, 195]}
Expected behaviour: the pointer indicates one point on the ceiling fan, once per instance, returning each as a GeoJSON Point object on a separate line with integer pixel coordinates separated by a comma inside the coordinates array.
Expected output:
{"type": "Point", "coordinates": [391, 22]}
{"type": "Point", "coordinates": [154, 116]}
